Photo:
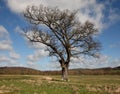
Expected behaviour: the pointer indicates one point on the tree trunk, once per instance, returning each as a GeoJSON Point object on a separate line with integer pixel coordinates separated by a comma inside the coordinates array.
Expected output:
{"type": "Point", "coordinates": [64, 66]}
{"type": "Point", "coordinates": [65, 72]}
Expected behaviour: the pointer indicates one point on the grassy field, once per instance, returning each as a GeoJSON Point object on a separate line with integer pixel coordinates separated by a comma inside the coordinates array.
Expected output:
{"type": "Point", "coordinates": [85, 84]}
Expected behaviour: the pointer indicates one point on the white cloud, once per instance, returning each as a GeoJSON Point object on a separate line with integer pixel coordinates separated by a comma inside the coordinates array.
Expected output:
{"type": "Point", "coordinates": [103, 61]}
{"type": "Point", "coordinates": [4, 58]}
{"type": "Point", "coordinates": [39, 46]}
{"type": "Point", "coordinates": [35, 45]}
{"type": "Point", "coordinates": [19, 5]}
{"type": "Point", "coordinates": [38, 54]}
{"type": "Point", "coordinates": [8, 57]}
{"type": "Point", "coordinates": [114, 62]}
{"type": "Point", "coordinates": [13, 63]}
{"type": "Point", "coordinates": [5, 45]}
{"type": "Point", "coordinates": [82, 62]}
{"type": "Point", "coordinates": [18, 29]}
{"type": "Point", "coordinates": [5, 42]}
{"type": "Point", "coordinates": [90, 62]}
{"type": "Point", "coordinates": [7, 61]}
{"type": "Point", "coordinates": [3, 31]}
{"type": "Point", "coordinates": [88, 9]}
{"type": "Point", "coordinates": [14, 55]}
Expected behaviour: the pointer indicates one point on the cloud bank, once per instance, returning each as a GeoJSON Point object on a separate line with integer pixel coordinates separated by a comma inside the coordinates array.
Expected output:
{"type": "Point", "coordinates": [7, 54]}
{"type": "Point", "coordinates": [91, 10]}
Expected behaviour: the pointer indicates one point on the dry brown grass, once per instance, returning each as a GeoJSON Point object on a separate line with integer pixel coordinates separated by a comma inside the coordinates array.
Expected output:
{"type": "Point", "coordinates": [8, 89]}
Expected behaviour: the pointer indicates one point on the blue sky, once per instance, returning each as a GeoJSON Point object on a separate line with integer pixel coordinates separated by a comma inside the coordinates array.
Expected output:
{"type": "Point", "coordinates": [15, 50]}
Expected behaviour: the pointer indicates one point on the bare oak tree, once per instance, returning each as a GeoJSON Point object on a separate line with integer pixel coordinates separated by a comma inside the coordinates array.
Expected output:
{"type": "Point", "coordinates": [65, 36]}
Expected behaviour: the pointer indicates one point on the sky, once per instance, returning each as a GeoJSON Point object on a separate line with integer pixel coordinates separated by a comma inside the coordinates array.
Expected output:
{"type": "Point", "coordinates": [15, 50]}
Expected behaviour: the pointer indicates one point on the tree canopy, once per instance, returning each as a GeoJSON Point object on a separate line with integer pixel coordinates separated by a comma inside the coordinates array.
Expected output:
{"type": "Point", "coordinates": [65, 36]}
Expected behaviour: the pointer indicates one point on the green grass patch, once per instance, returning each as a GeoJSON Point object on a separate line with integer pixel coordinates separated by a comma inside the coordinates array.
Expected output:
{"type": "Point", "coordinates": [86, 84]}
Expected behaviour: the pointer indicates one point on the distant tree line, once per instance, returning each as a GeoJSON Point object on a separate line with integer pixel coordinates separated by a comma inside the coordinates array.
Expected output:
{"type": "Point", "coordinates": [30, 71]}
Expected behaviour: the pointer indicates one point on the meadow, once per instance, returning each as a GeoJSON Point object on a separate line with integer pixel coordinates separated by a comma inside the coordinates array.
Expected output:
{"type": "Point", "coordinates": [39, 84]}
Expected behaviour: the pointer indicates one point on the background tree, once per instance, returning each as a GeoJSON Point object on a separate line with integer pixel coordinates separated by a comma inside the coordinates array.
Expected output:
{"type": "Point", "coordinates": [64, 36]}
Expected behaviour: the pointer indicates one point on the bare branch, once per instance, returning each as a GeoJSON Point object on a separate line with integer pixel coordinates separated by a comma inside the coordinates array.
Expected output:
{"type": "Point", "coordinates": [64, 32]}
